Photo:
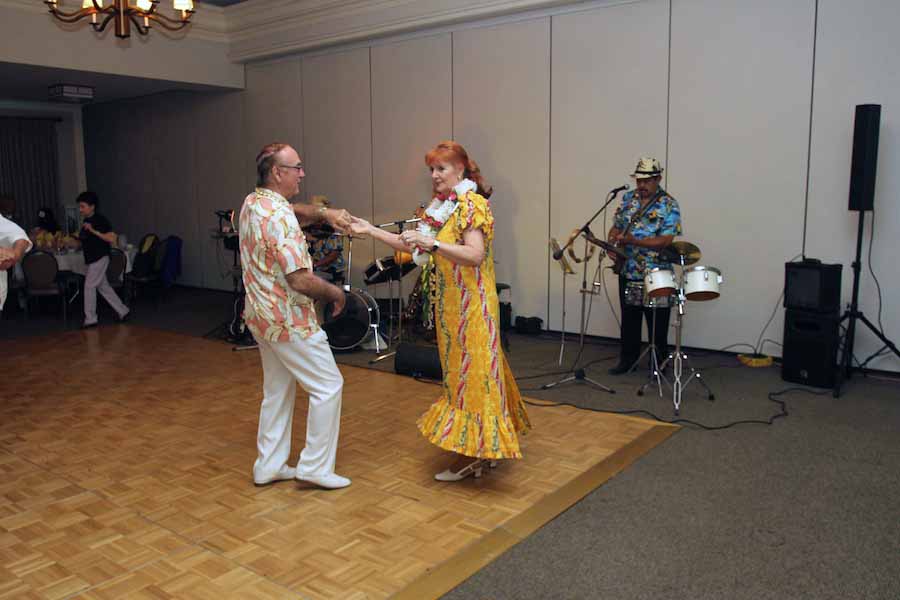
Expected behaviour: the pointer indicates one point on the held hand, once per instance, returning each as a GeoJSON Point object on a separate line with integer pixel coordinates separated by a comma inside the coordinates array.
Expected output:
{"type": "Point", "coordinates": [339, 301]}
{"type": "Point", "coordinates": [413, 239]}
{"type": "Point", "coordinates": [88, 227]}
{"type": "Point", "coordinates": [360, 226]}
{"type": "Point", "coordinates": [340, 219]}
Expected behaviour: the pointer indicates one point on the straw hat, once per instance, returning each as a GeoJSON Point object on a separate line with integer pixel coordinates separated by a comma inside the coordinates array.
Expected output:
{"type": "Point", "coordinates": [647, 167]}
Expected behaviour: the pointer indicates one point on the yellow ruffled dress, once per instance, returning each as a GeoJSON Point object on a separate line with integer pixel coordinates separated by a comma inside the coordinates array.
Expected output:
{"type": "Point", "coordinates": [480, 411]}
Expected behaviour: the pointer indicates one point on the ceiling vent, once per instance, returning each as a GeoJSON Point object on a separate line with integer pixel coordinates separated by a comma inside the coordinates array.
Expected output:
{"type": "Point", "coordinates": [71, 93]}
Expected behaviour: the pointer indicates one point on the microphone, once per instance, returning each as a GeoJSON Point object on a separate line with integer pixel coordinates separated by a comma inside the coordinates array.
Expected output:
{"type": "Point", "coordinates": [557, 254]}
{"type": "Point", "coordinates": [621, 188]}
{"type": "Point", "coordinates": [400, 222]}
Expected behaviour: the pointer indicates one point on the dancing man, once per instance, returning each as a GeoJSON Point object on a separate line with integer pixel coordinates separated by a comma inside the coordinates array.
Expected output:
{"type": "Point", "coordinates": [279, 311]}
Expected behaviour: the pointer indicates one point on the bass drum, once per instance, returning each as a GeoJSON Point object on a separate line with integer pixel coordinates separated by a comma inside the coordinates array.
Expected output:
{"type": "Point", "coordinates": [354, 325]}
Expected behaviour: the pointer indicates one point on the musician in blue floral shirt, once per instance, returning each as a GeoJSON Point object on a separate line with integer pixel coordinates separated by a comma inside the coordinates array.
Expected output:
{"type": "Point", "coordinates": [327, 251]}
{"type": "Point", "coordinates": [646, 222]}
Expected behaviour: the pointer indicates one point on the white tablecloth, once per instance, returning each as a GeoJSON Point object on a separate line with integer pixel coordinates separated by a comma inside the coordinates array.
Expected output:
{"type": "Point", "coordinates": [74, 263]}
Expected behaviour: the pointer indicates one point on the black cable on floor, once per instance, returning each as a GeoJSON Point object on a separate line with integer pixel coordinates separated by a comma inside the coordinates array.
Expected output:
{"type": "Point", "coordinates": [770, 421]}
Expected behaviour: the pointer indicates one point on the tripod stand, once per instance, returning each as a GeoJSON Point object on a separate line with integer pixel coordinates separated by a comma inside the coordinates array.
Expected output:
{"type": "Point", "coordinates": [578, 375]}
{"type": "Point", "coordinates": [234, 330]}
{"type": "Point", "coordinates": [656, 374]}
{"type": "Point", "coordinates": [845, 368]}
{"type": "Point", "coordinates": [679, 357]}
{"type": "Point", "coordinates": [395, 273]}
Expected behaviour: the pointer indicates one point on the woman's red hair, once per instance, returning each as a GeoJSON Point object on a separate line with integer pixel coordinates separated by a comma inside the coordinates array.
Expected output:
{"type": "Point", "coordinates": [449, 151]}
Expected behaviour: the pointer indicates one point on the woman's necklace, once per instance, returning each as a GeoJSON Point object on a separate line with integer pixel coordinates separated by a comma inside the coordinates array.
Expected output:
{"type": "Point", "coordinates": [437, 215]}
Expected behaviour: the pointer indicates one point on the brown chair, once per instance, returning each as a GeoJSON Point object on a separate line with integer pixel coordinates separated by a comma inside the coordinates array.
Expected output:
{"type": "Point", "coordinates": [42, 280]}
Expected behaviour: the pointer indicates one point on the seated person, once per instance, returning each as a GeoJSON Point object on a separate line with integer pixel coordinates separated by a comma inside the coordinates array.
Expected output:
{"type": "Point", "coordinates": [46, 222]}
{"type": "Point", "coordinates": [46, 235]}
{"type": "Point", "coordinates": [326, 248]}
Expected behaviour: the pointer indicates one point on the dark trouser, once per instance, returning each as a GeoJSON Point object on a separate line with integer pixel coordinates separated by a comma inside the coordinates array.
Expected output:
{"type": "Point", "coordinates": [630, 332]}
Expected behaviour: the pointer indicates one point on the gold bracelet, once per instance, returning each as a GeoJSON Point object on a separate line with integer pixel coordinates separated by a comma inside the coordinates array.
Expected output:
{"type": "Point", "coordinates": [320, 214]}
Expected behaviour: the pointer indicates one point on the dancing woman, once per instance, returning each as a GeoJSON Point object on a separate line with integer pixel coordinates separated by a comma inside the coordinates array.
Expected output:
{"type": "Point", "coordinates": [480, 412]}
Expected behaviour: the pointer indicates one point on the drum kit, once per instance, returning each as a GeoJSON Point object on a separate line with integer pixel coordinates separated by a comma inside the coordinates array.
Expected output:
{"type": "Point", "coordinates": [360, 321]}
{"type": "Point", "coordinates": [663, 286]}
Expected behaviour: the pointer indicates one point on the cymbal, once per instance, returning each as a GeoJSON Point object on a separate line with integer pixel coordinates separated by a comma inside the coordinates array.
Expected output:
{"type": "Point", "coordinates": [676, 250]}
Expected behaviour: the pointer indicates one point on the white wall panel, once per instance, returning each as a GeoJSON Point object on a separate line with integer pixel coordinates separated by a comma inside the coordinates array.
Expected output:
{"type": "Point", "coordinates": [609, 108]}
{"type": "Point", "coordinates": [224, 175]}
{"type": "Point", "coordinates": [501, 113]}
{"type": "Point", "coordinates": [856, 63]}
{"type": "Point", "coordinates": [411, 103]}
{"type": "Point", "coordinates": [739, 119]}
{"type": "Point", "coordinates": [338, 138]}
{"type": "Point", "coordinates": [273, 109]}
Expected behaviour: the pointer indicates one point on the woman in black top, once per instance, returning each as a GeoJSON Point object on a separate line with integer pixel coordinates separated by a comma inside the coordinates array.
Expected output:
{"type": "Point", "coordinates": [96, 237]}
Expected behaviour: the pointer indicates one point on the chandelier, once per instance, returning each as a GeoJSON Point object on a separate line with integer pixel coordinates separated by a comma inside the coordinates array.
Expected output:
{"type": "Point", "coordinates": [140, 13]}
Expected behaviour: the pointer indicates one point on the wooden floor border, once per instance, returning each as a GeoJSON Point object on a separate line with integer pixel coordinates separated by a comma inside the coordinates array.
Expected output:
{"type": "Point", "coordinates": [446, 576]}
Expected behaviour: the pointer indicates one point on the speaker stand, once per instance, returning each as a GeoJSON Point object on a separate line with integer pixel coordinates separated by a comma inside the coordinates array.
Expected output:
{"type": "Point", "coordinates": [852, 315]}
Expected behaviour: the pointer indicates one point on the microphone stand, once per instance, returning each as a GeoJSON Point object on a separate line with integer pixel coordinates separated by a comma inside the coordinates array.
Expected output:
{"type": "Point", "coordinates": [398, 271]}
{"type": "Point", "coordinates": [578, 375]}
{"type": "Point", "coordinates": [586, 228]}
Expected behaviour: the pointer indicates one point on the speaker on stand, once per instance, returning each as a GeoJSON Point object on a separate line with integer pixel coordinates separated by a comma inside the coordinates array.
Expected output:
{"type": "Point", "coordinates": [861, 199]}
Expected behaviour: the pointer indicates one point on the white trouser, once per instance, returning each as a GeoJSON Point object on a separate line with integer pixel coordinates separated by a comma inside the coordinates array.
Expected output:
{"type": "Point", "coordinates": [310, 362]}
{"type": "Point", "coordinates": [94, 281]}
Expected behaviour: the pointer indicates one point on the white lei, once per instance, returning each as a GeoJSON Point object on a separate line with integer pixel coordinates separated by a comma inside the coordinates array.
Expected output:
{"type": "Point", "coordinates": [440, 213]}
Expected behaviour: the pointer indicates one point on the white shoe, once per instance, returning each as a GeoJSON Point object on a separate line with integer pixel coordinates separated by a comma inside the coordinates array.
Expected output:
{"type": "Point", "coordinates": [473, 468]}
{"type": "Point", "coordinates": [284, 473]}
{"type": "Point", "coordinates": [331, 481]}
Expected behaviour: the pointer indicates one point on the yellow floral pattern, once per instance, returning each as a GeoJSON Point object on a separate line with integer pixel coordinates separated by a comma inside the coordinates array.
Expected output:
{"type": "Point", "coordinates": [480, 411]}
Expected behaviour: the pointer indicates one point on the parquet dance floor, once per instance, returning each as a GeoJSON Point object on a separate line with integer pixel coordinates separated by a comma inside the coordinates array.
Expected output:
{"type": "Point", "coordinates": [125, 456]}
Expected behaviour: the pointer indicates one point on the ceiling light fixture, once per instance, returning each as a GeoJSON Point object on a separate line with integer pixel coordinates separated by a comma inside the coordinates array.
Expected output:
{"type": "Point", "coordinates": [140, 13]}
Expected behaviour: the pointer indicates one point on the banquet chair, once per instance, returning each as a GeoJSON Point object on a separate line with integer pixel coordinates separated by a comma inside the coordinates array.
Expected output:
{"type": "Point", "coordinates": [41, 280]}
{"type": "Point", "coordinates": [115, 271]}
{"type": "Point", "coordinates": [145, 271]}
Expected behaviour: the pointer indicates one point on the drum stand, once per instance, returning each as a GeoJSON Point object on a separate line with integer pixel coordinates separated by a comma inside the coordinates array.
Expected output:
{"type": "Point", "coordinates": [679, 358]}
{"type": "Point", "coordinates": [398, 271]}
{"type": "Point", "coordinates": [656, 374]}
{"type": "Point", "coordinates": [578, 375]}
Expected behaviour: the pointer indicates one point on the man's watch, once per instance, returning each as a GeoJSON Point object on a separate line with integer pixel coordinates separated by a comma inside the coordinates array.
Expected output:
{"type": "Point", "coordinates": [435, 246]}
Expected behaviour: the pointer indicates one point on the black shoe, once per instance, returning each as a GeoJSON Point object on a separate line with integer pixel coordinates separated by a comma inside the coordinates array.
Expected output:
{"type": "Point", "coordinates": [124, 317]}
{"type": "Point", "coordinates": [88, 325]}
{"type": "Point", "coordinates": [619, 369]}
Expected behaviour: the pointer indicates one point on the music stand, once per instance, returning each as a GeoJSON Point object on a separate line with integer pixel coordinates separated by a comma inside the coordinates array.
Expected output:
{"type": "Point", "coordinates": [577, 374]}
{"type": "Point", "coordinates": [567, 269]}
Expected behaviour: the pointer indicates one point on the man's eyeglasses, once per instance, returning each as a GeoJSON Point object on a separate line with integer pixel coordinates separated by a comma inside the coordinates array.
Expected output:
{"type": "Point", "coordinates": [298, 167]}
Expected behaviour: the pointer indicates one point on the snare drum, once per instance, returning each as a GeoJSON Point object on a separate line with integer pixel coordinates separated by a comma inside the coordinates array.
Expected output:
{"type": "Point", "coordinates": [660, 282]}
{"type": "Point", "coordinates": [635, 295]}
{"type": "Point", "coordinates": [702, 283]}
{"type": "Point", "coordinates": [350, 328]}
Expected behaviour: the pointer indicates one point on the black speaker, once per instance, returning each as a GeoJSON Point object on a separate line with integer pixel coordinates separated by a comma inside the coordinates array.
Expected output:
{"type": "Point", "coordinates": [418, 361]}
{"type": "Point", "coordinates": [865, 156]}
{"type": "Point", "coordinates": [505, 316]}
{"type": "Point", "coordinates": [811, 285]}
{"type": "Point", "coordinates": [810, 348]}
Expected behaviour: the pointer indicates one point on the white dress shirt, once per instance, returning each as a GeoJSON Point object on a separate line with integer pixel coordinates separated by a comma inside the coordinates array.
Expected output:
{"type": "Point", "coordinates": [10, 233]}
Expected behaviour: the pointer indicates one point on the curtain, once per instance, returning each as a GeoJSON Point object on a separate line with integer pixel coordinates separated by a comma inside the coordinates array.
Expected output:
{"type": "Point", "coordinates": [28, 168]}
